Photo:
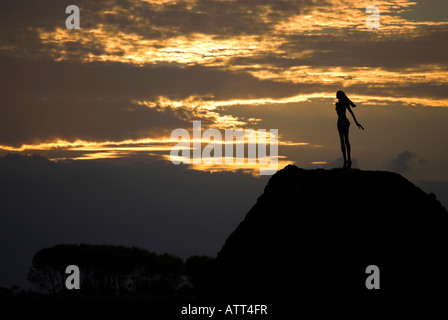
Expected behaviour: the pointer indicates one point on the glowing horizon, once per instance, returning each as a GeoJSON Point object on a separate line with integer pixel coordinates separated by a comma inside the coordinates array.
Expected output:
{"type": "Point", "coordinates": [135, 71]}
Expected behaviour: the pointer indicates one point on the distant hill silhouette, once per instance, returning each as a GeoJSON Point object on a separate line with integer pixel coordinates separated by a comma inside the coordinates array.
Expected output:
{"type": "Point", "coordinates": [311, 235]}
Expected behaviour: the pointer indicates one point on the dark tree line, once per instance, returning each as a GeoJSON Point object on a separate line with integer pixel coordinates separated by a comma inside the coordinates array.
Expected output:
{"type": "Point", "coordinates": [115, 269]}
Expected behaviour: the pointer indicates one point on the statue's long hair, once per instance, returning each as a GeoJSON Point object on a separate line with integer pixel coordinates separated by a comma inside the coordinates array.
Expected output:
{"type": "Point", "coordinates": [341, 96]}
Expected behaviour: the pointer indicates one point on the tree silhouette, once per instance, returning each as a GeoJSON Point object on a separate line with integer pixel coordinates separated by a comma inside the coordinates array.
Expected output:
{"type": "Point", "coordinates": [47, 270]}
{"type": "Point", "coordinates": [107, 269]}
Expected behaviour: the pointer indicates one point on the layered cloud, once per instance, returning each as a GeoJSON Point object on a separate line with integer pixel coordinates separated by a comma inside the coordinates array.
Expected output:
{"type": "Point", "coordinates": [136, 70]}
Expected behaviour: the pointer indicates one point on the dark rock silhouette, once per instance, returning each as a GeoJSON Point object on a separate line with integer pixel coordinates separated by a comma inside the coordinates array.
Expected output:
{"type": "Point", "coordinates": [311, 235]}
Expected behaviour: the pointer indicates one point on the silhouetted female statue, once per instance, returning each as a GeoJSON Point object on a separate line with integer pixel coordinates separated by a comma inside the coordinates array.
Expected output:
{"type": "Point", "coordinates": [342, 105]}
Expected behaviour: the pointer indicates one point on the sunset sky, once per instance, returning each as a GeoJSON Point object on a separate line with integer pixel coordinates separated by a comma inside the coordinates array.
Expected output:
{"type": "Point", "coordinates": [136, 70]}
{"type": "Point", "coordinates": [116, 88]}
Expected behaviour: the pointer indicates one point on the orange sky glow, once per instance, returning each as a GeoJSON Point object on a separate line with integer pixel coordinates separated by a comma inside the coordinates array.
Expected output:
{"type": "Point", "coordinates": [303, 47]}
